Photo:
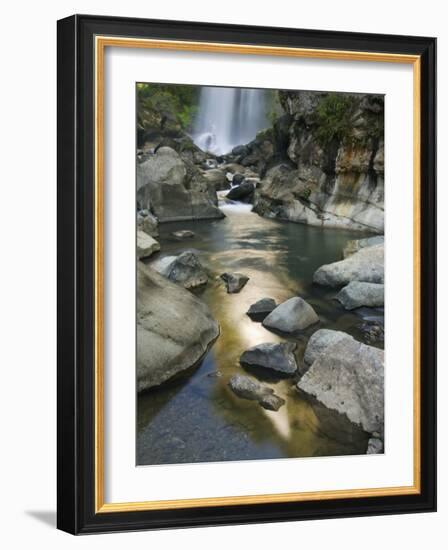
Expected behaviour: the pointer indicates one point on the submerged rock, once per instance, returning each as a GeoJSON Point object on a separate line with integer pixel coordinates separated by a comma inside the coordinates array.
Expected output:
{"type": "Point", "coordinates": [320, 341]}
{"type": "Point", "coordinates": [183, 234]}
{"type": "Point", "coordinates": [234, 281]}
{"type": "Point", "coordinates": [166, 344]}
{"type": "Point", "coordinates": [372, 332]}
{"type": "Point", "coordinates": [349, 378]}
{"type": "Point", "coordinates": [294, 314]}
{"type": "Point", "coordinates": [357, 294]}
{"type": "Point", "coordinates": [366, 265]}
{"type": "Point", "coordinates": [259, 310]}
{"type": "Point", "coordinates": [185, 269]}
{"type": "Point", "coordinates": [146, 245]}
{"type": "Point", "coordinates": [355, 245]}
{"type": "Point", "coordinates": [248, 388]}
{"type": "Point", "coordinates": [275, 357]}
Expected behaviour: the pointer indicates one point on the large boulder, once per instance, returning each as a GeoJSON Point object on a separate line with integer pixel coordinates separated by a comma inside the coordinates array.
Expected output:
{"type": "Point", "coordinates": [349, 378]}
{"type": "Point", "coordinates": [185, 269]}
{"type": "Point", "coordinates": [248, 388]}
{"type": "Point", "coordinates": [320, 341]}
{"type": "Point", "coordinates": [234, 281]}
{"type": "Point", "coordinates": [357, 294]}
{"type": "Point", "coordinates": [146, 245]}
{"type": "Point", "coordinates": [355, 245]}
{"type": "Point", "coordinates": [166, 344]}
{"type": "Point", "coordinates": [173, 189]}
{"type": "Point", "coordinates": [242, 192]}
{"type": "Point", "coordinates": [366, 265]}
{"type": "Point", "coordinates": [217, 178]}
{"type": "Point", "coordinates": [274, 357]}
{"type": "Point", "coordinates": [292, 315]}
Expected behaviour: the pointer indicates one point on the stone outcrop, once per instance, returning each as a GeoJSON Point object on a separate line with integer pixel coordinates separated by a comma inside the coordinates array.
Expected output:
{"type": "Point", "coordinates": [185, 269]}
{"type": "Point", "coordinates": [357, 294]}
{"type": "Point", "coordinates": [366, 265]}
{"type": "Point", "coordinates": [166, 344]}
{"type": "Point", "coordinates": [349, 378]}
{"type": "Point", "coordinates": [355, 245]}
{"type": "Point", "coordinates": [290, 316]}
{"type": "Point", "coordinates": [332, 172]}
{"type": "Point", "coordinates": [320, 341]}
{"type": "Point", "coordinates": [146, 245]}
{"type": "Point", "coordinates": [173, 189]}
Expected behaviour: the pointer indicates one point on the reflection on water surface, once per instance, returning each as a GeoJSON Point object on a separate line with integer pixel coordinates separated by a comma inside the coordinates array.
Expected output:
{"type": "Point", "coordinates": [197, 418]}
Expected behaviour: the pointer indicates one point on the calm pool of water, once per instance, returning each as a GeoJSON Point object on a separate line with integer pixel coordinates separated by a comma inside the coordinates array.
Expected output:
{"type": "Point", "coordinates": [197, 418]}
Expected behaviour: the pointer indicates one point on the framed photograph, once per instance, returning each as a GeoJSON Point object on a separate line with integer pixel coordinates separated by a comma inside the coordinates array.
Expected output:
{"type": "Point", "coordinates": [246, 274]}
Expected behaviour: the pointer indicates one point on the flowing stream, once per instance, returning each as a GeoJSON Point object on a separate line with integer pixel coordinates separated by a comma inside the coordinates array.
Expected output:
{"type": "Point", "coordinates": [228, 117]}
{"type": "Point", "coordinates": [197, 418]}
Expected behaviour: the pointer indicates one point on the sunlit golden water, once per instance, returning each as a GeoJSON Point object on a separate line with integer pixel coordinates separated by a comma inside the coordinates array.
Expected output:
{"type": "Point", "coordinates": [197, 418]}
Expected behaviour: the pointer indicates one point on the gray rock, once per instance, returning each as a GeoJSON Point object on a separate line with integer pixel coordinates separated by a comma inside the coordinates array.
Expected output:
{"type": "Point", "coordinates": [237, 179]}
{"type": "Point", "coordinates": [217, 178]}
{"type": "Point", "coordinates": [372, 332]}
{"type": "Point", "coordinates": [374, 446]}
{"type": "Point", "coordinates": [259, 310]}
{"type": "Point", "coordinates": [234, 281]}
{"type": "Point", "coordinates": [357, 294]}
{"type": "Point", "coordinates": [320, 341]}
{"type": "Point", "coordinates": [146, 245]}
{"type": "Point", "coordinates": [242, 192]}
{"type": "Point", "coordinates": [166, 344]}
{"type": "Point", "coordinates": [248, 388]}
{"type": "Point", "coordinates": [355, 245]}
{"type": "Point", "coordinates": [175, 190]}
{"type": "Point", "coordinates": [147, 223]}
{"type": "Point", "coordinates": [185, 269]}
{"type": "Point", "coordinates": [349, 378]}
{"type": "Point", "coordinates": [276, 357]}
{"type": "Point", "coordinates": [183, 234]}
{"type": "Point", "coordinates": [366, 265]}
{"type": "Point", "coordinates": [294, 314]}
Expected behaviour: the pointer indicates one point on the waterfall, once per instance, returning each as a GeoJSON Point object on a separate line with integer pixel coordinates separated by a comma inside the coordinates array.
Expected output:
{"type": "Point", "coordinates": [228, 117]}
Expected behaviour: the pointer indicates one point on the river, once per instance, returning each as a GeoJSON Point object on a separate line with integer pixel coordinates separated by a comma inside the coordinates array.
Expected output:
{"type": "Point", "coordinates": [197, 418]}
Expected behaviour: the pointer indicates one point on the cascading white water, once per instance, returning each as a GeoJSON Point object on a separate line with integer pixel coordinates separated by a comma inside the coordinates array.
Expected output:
{"type": "Point", "coordinates": [228, 117]}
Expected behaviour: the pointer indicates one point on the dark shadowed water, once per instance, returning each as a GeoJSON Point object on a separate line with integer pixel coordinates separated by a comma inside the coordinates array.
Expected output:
{"type": "Point", "coordinates": [197, 418]}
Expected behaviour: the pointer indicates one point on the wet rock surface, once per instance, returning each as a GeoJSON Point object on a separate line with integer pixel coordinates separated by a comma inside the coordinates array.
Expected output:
{"type": "Point", "coordinates": [261, 309]}
{"type": "Point", "coordinates": [274, 357]}
{"type": "Point", "coordinates": [234, 281]}
{"type": "Point", "coordinates": [249, 388]}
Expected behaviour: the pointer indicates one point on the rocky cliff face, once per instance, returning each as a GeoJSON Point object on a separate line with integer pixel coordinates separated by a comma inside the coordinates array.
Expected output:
{"type": "Point", "coordinates": [329, 150]}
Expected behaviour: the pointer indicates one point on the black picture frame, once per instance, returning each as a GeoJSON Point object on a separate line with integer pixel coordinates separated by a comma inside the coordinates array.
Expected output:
{"type": "Point", "coordinates": [76, 254]}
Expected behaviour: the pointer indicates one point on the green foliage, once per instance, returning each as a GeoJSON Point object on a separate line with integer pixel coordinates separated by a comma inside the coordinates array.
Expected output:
{"type": "Point", "coordinates": [305, 194]}
{"type": "Point", "coordinates": [273, 106]}
{"type": "Point", "coordinates": [333, 118]}
{"type": "Point", "coordinates": [177, 102]}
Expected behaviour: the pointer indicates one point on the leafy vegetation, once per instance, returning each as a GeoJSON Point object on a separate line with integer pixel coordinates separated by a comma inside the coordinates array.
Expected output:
{"type": "Point", "coordinates": [175, 102]}
{"type": "Point", "coordinates": [334, 118]}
